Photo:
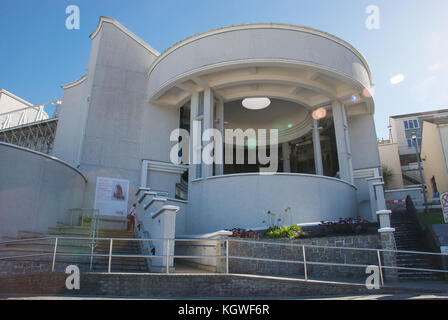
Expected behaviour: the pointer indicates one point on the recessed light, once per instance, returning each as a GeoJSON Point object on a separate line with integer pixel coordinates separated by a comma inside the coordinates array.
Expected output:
{"type": "Point", "coordinates": [256, 103]}
{"type": "Point", "coordinates": [319, 113]}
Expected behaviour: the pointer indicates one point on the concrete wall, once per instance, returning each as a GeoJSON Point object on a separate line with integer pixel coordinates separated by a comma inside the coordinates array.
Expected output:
{"type": "Point", "coordinates": [10, 102]}
{"type": "Point", "coordinates": [267, 42]}
{"type": "Point", "coordinates": [243, 200]}
{"type": "Point", "coordinates": [71, 124]}
{"type": "Point", "coordinates": [365, 155]}
{"type": "Point", "coordinates": [36, 190]}
{"type": "Point", "coordinates": [121, 128]}
{"type": "Point", "coordinates": [163, 181]}
{"type": "Point", "coordinates": [390, 159]}
{"type": "Point", "coordinates": [363, 142]}
{"type": "Point", "coordinates": [434, 145]}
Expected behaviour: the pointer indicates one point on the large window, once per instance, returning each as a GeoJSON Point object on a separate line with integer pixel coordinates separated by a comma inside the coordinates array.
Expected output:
{"type": "Point", "coordinates": [411, 124]}
{"type": "Point", "coordinates": [419, 142]}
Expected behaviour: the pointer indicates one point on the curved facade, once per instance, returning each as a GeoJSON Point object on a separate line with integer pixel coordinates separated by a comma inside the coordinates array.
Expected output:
{"type": "Point", "coordinates": [243, 200]}
{"type": "Point", "coordinates": [258, 45]}
{"type": "Point", "coordinates": [36, 191]}
{"type": "Point", "coordinates": [120, 121]}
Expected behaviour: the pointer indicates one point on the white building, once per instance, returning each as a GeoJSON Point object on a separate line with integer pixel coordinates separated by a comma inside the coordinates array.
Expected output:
{"type": "Point", "coordinates": [116, 122]}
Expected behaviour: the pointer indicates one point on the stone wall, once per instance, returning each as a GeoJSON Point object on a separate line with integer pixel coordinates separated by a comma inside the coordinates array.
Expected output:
{"type": "Point", "coordinates": [181, 285]}
{"type": "Point", "coordinates": [294, 253]}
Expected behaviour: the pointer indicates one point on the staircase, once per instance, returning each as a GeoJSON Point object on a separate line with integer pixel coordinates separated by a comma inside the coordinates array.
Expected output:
{"type": "Point", "coordinates": [408, 238]}
{"type": "Point", "coordinates": [68, 247]}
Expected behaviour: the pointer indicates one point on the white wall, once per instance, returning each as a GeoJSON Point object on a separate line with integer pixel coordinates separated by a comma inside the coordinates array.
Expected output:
{"type": "Point", "coordinates": [70, 130]}
{"type": "Point", "coordinates": [242, 200]}
{"type": "Point", "coordinates": [365, 155]}
{"type": "Point", "coordinates": [121, 127]}
{"type": "Point", "coordinates": [36, 191]}
{"type": "Point", "coordinates": [265, 42]}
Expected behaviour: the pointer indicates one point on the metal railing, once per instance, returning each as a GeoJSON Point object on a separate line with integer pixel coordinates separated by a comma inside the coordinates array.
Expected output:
{"type": "Point", "coordinates": [224, 243]}
{"type": "Point", "coordinates": [400, 205]}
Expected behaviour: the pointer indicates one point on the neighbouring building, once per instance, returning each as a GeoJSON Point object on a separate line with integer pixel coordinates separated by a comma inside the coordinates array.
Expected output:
{"type": "Point", "coordinates": [401, 129]}
{"type": "Point", "coordinates": [434, 154]}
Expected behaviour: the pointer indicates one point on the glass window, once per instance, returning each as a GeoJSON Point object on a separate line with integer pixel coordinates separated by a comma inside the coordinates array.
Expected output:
{"type": "Point", "coordinates": [411, 124]}
{"type": "Point", "coordinates": [409, 143]}
{"type": "Point", "coordinates": [416, 124]}
{"type": "Point", "coordinates": [406, 125]}
{"type": "Point", "coordinates": [201, 103]}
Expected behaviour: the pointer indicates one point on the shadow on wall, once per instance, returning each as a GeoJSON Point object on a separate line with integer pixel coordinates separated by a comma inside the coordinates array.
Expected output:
{"type": "Point", "coordinates": [36, 190]}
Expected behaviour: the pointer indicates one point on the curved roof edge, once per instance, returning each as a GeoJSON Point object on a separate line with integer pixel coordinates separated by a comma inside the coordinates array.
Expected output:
{"type": "Point", "coordinates": [74, 83]}
{"type": "Point", "coordinates": [261, 25]}
{"type": "Point", "coordinates": [104, 19]}
{"type": "Point", "coordinates": [44, 155]}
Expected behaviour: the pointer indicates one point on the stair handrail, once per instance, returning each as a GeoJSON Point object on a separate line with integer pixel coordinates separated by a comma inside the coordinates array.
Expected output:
{"type": "Point", "coordinates": [226, 254]}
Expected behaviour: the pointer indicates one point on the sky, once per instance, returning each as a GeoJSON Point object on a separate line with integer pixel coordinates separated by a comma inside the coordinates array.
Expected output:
{"type": "Point", "coordinates": [38, 53]}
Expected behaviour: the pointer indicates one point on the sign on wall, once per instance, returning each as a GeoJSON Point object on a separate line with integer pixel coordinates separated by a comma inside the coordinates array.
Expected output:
{"type": "Point", "coordinates": [444, 203]}
{"type": "Point", "coordinates": [111, 196]}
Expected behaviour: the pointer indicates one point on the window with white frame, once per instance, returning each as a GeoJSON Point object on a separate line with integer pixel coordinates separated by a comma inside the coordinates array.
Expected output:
{"type": "Point", "coordinates": [411, 124]}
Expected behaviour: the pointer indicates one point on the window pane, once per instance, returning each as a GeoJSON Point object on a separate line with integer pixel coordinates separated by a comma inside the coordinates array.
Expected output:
{"type": "Point", "coordinates": [201, 103]}
{"type": "Point", "coordinates": [416, 124]}
{"type": "Point", "coordinates": [406, 125]}
{"type": "Point", "coordinates": [409, 143]}
{"type": "Point", "coordinates": [411, 124]}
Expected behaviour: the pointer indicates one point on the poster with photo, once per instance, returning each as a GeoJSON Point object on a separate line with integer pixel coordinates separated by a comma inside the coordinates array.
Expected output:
{"type": "Point", "coordinates": [111, 196]}
{"type": "Point", "coordinates": [444, 203]}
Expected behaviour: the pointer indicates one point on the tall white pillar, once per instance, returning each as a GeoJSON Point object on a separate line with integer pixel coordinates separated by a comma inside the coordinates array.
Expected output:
{"type": "Point", "coordinates": [209, 119]}
{"type": "Point", "coordinates": [342, 141]}
{"type": "Point", "coordinates": [193, 154]}
{"type": "Point", "coordinates": [286, 151]}
{"type": "Point", "coordinates": [317, 149]}
{"type": "Point", "coordinates": [219, 125]}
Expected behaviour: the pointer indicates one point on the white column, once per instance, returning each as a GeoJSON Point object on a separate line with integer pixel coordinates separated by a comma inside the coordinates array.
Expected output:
{"type": "Point", "coordinates": [342, 141]}
{"type": "Point", "coordinates": [286, 151]}
{"type": "Point", "coordinates": [209, 119]}
{"type": "Point", "coordinates": [219, 125]}
{"type": "Point", "coordinates": [144, 174]}
{"type": "Point", "coordinates": [317, 149]}
{"type": "Point", "coordinates": [193, 153]}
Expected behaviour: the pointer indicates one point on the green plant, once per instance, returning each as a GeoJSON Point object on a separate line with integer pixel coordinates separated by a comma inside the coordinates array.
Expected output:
{"type": "Point", "coordinates": [387, 175]}
{"type": "Point", "coordinates": [276, 220]}
{"type": "Point", "coordinates": [290, 232]}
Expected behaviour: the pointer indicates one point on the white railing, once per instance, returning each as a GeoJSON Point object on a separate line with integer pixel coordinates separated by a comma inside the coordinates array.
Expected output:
{"type": "Point", "coordinates": [28, 115]}
{"type": "Point", "coordinates": [166, 257]}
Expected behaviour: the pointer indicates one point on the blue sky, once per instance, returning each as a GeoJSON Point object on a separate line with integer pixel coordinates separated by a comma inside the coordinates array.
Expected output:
{"type": "Point", "coordinates": [38, 53]}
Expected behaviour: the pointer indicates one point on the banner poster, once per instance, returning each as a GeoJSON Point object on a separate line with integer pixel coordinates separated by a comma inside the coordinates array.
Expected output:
{"type": "Point", "coordinates": [111, 196]}
{"type": "Point", "coordinates": [444, 203]}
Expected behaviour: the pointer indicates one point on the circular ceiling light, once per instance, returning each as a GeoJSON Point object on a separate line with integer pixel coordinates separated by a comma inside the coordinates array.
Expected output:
{"type": "Point", "coordinates": [256, 103]}
{"type": "Point", "coordinates": [319, 113]}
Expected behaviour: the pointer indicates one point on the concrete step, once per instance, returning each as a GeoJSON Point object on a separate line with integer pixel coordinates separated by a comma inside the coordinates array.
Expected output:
{"type": "Point", "coordinates": [29, 234]}
{"type": "Point", "coordinates": [76, 232]}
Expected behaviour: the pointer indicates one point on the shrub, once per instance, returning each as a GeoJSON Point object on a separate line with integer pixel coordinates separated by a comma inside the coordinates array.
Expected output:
{"type": "Point", "coordinates": [290, 232]}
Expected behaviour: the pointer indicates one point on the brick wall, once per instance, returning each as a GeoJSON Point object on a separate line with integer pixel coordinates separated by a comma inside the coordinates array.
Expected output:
{"type": "Point", "coordinates": [201, 285]}
{"type": "Point", "coordinates": [325, 255]}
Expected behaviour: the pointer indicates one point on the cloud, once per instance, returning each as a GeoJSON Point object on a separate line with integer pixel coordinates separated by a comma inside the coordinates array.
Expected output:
{"type": "Point", "coordinates": [397, 79]}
